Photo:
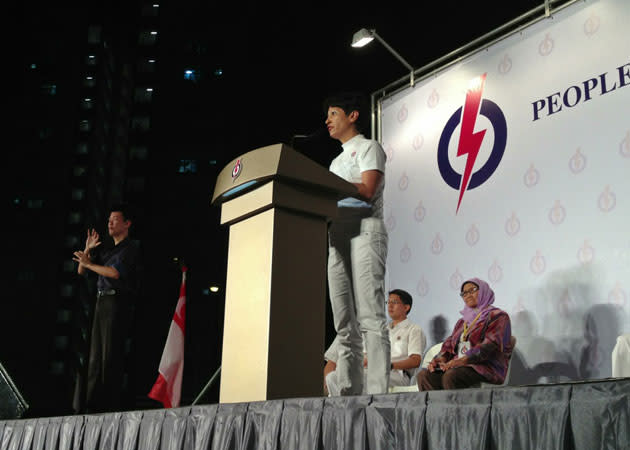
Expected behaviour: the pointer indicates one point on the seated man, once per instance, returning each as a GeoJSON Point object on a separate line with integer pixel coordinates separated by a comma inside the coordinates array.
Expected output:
{"type": "Point", "coordinates": [407, 345]}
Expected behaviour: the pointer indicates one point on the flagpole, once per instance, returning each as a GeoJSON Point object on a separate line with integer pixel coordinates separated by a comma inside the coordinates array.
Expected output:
{"type": "Point", "coordinates": [207, 386]}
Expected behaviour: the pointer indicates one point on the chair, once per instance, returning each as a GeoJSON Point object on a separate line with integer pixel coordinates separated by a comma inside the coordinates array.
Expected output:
{"type": "Point", "coordinates": [430, 354]}
{"type": "Point", "coordinates": [413, 382]}
{"type": "Point", "coordinates": [621, 357]}
{"type": "Point", "coordinates": [506, 382]}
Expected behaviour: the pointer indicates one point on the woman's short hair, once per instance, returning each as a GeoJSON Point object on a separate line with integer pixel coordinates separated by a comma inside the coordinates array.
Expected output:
{"type": "Point", "coordinates": [350, 101]}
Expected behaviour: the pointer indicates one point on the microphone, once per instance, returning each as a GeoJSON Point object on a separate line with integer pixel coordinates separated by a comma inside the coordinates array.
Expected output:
{"type": "Point", "coordinates": [308, 137]}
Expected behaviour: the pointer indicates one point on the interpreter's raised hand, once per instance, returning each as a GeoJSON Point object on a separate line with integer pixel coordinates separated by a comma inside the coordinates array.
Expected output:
{"type": "Point", "coordinates": [92, 240]}
{"type": "Point", "coordinates": [81, 257]}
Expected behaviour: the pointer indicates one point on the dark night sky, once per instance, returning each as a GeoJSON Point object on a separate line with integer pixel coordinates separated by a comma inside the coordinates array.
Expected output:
{"type": "Point", "coordinates": [279, 61]}
{"type": "Point", "coordinates": [285, 58]}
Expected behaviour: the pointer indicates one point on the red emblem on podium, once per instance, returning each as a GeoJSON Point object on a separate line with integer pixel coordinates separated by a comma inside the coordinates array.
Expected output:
{"type": "Point", "coordinates": [236, 171]}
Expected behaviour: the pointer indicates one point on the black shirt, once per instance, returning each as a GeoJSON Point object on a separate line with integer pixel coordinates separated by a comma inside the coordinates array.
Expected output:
{"type": "Point", "coordinates": [124, 258]}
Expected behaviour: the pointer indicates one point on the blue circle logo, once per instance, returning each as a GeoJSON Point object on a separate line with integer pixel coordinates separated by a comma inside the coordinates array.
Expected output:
{"type": "Point", "coordinates": [469, 144]}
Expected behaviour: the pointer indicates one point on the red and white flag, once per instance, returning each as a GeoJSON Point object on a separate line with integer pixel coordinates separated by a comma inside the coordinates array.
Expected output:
{"type": "Point", "coordinates": [168, 386]}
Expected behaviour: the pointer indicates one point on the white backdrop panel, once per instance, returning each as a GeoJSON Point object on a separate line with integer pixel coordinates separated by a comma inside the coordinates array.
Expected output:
{"type": "Point", "coordinates": [549, 229]}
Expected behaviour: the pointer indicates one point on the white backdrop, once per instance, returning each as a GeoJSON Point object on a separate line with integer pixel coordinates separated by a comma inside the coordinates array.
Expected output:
{"type": "Point", "coordinates": [549, 229]}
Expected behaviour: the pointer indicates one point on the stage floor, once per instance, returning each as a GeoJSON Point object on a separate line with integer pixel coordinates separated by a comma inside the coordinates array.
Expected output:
{"type": "Point", "coordinates": [578, 415]}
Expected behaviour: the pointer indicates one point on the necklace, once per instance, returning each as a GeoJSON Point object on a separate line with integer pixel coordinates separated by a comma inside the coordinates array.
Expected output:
{"type": "Point", "coordinates": [467, 327]}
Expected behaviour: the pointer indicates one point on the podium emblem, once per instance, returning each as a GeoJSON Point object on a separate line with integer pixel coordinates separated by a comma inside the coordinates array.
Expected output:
{"type": "Point", "coordinates": [236, 171]}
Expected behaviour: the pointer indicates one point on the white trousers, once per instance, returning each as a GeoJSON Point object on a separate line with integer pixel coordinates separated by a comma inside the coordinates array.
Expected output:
{"type": "Point", "coordinates": [356, 281]}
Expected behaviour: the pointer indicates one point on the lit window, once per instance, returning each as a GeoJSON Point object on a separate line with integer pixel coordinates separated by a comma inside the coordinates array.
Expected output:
{"type": "Point", "coordinates": [140, 123]}
{"type": "Point", "coordinates": [143, 95]}
{"type": "Point", "coordinates": [72, 241]}
{"type": "Point", "coordinates": [192, 75]}
{"type": "Point", "coordinates": [78, 194]}
{"type": "Point", "coordinates": [150, 10]}
{"type": "Point", "coordinates": [187, 166]}
{"type": "Point", "coordinates": [79, 171]}
{"type": "Point", "coordinates": [67, 290]}
{"type": "Point", "coordinates": [82, 148]}
{"type": "Point", "coordinates": [26, 275]}
{"type": "Point", "coordinates": [57, 368]}
{"type": "Point", "coordinates": [138, 152]}
{"type": "Point", "coordinates": [94, 34]}
{"type": "Point", "coordinates": [85, 125]}
{"type": "Point", "coordinates": [45, 132]}
{"type": "Point", "coordinates": [74, 218]}
{"type": "Point", "coordinates": [49, 89]}
{"type": "Point", "coordinates": [64, 316]}
{"type": "Point", "coordinates": [135, 184]}
{"type": "Point", "coordinates": [61, 342]}
{"type": "Point", "coordinates": [147, 38]}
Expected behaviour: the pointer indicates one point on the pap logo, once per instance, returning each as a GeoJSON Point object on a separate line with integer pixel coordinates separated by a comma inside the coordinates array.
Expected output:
{"type": "Point", "coordinates": [470, 141]}
{"type": "Point", "coordinates": [236, 171]}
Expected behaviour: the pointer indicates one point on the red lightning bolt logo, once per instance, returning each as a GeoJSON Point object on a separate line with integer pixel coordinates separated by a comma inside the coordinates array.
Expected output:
{"type": "Point", "coordinates": [470, 142]}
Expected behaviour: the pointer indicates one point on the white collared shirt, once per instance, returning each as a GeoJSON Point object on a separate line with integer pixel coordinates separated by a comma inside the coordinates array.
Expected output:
{"type": "Point", "coordinates": [406, 338]}
{"type": "Point", "coordinates": [359, 155]}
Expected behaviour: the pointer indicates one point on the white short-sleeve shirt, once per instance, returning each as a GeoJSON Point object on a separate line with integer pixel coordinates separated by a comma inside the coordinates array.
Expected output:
{"type": "Point", "coordinates": [407, 338]}
{"type": "Point", "coordinates": [359, 155]}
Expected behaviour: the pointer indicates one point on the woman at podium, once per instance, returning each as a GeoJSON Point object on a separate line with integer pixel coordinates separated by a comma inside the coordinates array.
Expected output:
{"type": "Point", "coordinates": [358, 250]}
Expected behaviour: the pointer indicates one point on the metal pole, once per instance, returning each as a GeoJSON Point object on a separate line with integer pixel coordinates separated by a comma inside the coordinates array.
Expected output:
{"type": "Point", "coordinates": [373, 117]}
{"type": "Point", "coordinates": [471, 48]}
{"type": "Point", "coordinates": [207, 386]}
{"type": "Point", "coordinates": [395, 53]}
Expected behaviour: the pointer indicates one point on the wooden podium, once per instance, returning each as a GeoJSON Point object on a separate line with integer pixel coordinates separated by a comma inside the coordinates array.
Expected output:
{"type": "Point", "coordinates": [277, 203]}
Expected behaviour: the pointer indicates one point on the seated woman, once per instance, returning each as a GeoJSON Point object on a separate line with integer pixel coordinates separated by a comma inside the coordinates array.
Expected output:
{"type": "Point", "coordinates": [478, 349]}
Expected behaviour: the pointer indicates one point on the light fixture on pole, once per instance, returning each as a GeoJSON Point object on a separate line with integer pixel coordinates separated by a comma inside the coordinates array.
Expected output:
{"type": "Point", "coordinates": [365, 36]}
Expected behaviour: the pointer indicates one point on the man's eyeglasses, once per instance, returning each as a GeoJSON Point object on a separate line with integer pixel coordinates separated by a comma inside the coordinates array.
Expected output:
{"type": "Point", "coordinates": [469, 291]}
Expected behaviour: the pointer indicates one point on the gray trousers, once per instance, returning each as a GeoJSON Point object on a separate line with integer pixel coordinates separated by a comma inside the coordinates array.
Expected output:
{"type": "Point", "coordinates": [356, 281]}
{"type": "Point", "coordinates": [396, 378]}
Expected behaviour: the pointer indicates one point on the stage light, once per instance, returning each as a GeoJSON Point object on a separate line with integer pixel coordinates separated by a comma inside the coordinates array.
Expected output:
{"type": "Point", "coordinates": [365, 36]}
{"type": "Point", "coordinates": [214, 288]}
{"type": "Point", "coordinates": [362, 37]}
